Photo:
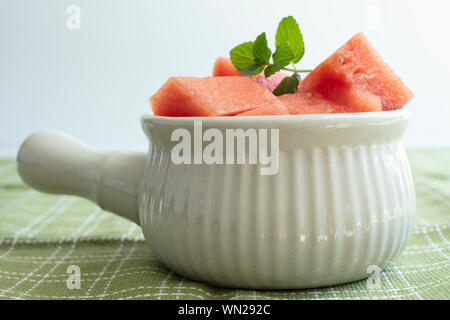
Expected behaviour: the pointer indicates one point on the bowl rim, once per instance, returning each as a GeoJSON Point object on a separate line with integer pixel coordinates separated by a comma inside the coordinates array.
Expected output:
{"type": "Point", "coordinates": [378, 117]}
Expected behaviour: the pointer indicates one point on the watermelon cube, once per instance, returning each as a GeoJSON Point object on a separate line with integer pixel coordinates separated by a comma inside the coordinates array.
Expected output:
{"type": "Point", "coordinates": [271, 82]}
{"type": "Point", "coordinates": [211, 96]}
{"type": "Point", "coordinates": [311, 103]}
{"type": "Point", "coordinates": [224, 68]}
{"type": "Point", "coordinates": [357, 76]}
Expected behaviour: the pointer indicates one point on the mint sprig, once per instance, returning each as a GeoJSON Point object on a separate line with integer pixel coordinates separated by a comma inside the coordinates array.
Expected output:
{"type": "Point", "coordinates": [251, 58]}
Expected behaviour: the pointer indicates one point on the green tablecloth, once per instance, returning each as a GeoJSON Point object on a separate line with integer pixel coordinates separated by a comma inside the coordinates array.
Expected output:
{"type": "Point", "coordinates": [41, 235]}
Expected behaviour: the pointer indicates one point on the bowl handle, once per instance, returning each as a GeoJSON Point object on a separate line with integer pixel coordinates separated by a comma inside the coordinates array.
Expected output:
{"type": "Point", "coordinates": [56, 163]}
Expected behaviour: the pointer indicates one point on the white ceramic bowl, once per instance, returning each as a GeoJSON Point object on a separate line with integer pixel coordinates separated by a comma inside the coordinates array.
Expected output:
{"type": "Point", "coordinates": [343, 199]}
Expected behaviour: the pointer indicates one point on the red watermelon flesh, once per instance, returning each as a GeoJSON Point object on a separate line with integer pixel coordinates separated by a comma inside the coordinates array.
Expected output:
{"type": "Point", "coordinates": [224, 67]}
{"type": "Point", "coordinates": [356, 76]}
{"type": "Point", "coordinates": [272, 110]}
{"type": "Point", "coordinates": [342, 93]}
{"type": "Point", "coordinates": [271, 82]}
{"type": "Point", "coordinates": [311, 103]}
{"type": "Point", "coordinates": [211, 96]}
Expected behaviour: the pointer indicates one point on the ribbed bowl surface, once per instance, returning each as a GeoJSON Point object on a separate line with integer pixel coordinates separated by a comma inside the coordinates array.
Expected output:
{"type": "Point", "coordinates": [335, 208]}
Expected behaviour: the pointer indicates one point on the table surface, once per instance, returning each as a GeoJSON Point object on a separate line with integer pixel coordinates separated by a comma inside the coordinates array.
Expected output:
{"type": "Point", "coordinates": [42, 235]}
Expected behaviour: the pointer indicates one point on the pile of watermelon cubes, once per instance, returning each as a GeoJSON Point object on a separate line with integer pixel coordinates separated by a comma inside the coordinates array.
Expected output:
{"type": "Point", "coordinates": [355, 78]}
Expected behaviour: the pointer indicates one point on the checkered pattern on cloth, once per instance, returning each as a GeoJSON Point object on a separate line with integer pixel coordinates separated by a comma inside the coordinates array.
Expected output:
{"type": "Point", "coordinates": [41, 235]}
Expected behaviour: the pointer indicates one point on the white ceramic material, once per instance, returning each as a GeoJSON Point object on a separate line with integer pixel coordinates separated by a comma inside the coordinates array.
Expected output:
{"type": "Point", "coordinates": [342, 201]}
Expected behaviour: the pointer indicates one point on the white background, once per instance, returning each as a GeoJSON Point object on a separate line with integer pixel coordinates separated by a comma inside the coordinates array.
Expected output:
{"type": "Point", "coordinates": [94, 83]}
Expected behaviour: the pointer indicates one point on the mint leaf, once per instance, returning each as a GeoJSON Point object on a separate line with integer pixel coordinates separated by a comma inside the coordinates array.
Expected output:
{"type": "Point", "coordinates": [252, 58]}
{"type": "Point", "coordinates": [242, 55]}
{"type": "Point", "coordinates": [270, 70]}
{"type": "Point", "coordinates": [283, 55]}
{"type": "Point", "coordinates": [253, 69]}
{"type": "Point", "coordinates": [281, 58]}
{"type": "Point", "coordinates": [288, 85]}
{"type": "Point", "coordinates": [288, 31]}
{"type": "Point", "coordinates": [261, 51]}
